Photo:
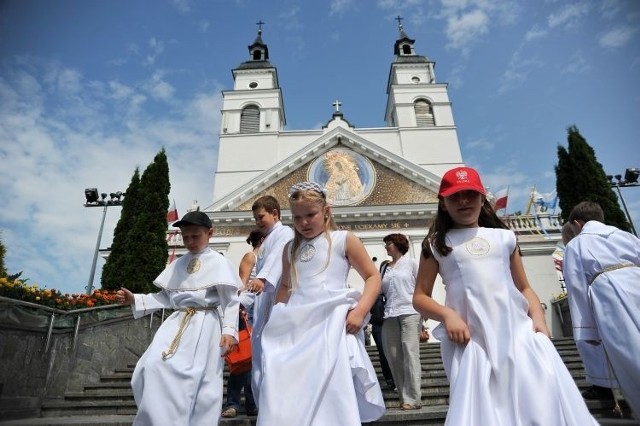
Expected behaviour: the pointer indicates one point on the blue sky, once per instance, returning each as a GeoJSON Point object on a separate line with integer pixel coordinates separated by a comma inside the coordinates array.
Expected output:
{"type": "Point", "coordinates": [91, 89]}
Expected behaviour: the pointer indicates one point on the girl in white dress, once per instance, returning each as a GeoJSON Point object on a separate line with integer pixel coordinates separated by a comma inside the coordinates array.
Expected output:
{"type": "Point", "coordinates": [502, 367]}
{"type": "Point", "coordinates": [316, 368]}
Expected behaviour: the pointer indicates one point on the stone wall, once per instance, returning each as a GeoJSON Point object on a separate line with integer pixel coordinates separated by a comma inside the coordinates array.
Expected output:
{"type": "Point", "coordinates": [32, 372]}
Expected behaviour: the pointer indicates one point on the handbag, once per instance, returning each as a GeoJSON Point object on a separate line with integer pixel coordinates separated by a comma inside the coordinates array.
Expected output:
{"type": "Point", "coordinates": [377, 310]}
{"type": "Point", "coordinates": [239, 359]}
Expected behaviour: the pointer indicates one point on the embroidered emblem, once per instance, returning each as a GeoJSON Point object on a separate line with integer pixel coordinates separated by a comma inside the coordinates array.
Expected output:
{"type": "Point", "coordinates": [307, 252]}
{"type": "Point", "coordinates": [461, 175]}
{"type": "Point", "coordinates": [478, 246]}
{"type": "Point", "coordinates": [193, 266]}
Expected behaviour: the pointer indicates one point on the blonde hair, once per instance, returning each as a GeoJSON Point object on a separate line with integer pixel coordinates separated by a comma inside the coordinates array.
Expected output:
{"type": "Point", "coordinates": [308, 196]}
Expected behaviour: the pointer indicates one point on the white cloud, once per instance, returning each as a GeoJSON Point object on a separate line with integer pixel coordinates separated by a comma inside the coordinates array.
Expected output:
{"type": "Point", "coordinates": [158, 88]}
{"type": "Point", "coordinates": [338, 7]}
{"type": "Point", "coordinates": [576, 64]}
{"type": "Point", "coordinates": [54, 154]}
{"type": "Point", "coordinates": [535, 33]}
{"type": "Point", "coordinates": [518, 71]}
{"type": "Point", "coordinates": [467, 21]}
{"type": "Point", "coordinates": [617, 37]}
{"type": "Point", "coordinates": [569, 16]}
{"type": "Point", "coordinates": [183, 6]}
{"type": "Point", "coordinates": [156, 49]}
{"type": "Point", "coordinates": [463, 29]}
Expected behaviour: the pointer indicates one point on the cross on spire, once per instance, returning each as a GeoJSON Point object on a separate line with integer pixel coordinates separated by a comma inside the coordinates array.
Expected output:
{"type": "Point", "coordinates": [337, 104]}
{"type": "Point", "coordinates": [399, 19]}
{"type": "Point", "coordinates": [260, 24]}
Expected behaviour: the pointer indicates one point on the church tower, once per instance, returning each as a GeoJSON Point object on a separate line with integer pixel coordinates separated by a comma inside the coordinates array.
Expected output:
{"type": "Point", "coordinates": [418, 105]}
{"type": "Point", "coordinates": [255, 103]}
{"type": "Point", "coordinates": [252, 118]}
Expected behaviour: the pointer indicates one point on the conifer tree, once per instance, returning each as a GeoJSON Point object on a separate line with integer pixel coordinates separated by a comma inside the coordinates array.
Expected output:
{"type": "Point", "coordinates": [121, 253]}
{"type": "Point", "coordinates": [147, 240]}
{"type": "Point", "coordinates": [580, 177]}
{"type": "Point", "coordinates": [3, 252]}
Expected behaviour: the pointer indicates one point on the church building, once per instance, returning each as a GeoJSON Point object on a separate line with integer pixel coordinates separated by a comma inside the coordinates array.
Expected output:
{"type": "Point", "coordinates": [379, 180]}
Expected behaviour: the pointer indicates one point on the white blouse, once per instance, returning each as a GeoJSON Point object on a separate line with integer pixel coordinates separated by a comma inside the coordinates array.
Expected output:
{"type": "Point", "coordinates": [398, 285]}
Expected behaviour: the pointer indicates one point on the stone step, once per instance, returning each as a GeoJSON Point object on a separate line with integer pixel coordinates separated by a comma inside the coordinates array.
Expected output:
{"type": "Point", "coordinates": [112, 396]}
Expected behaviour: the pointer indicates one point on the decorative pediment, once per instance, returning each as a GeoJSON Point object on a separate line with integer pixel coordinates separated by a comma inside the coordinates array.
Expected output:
{"type": "Point", "coordinates": [355, 172]}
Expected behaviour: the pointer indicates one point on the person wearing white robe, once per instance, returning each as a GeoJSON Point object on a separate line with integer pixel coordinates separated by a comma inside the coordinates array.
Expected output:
{"type": "Point", "coordinates": [266, 212]}
{"type": "Point", "coordinates": [602, 273]}
{"type": "Point", "coordinates": [179, 378]}
{"type": "Point", "coordinates": [596, 367]}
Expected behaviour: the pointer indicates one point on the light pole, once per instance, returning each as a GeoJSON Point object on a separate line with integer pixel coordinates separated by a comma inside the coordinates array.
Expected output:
{"type": "Point", "coordinates": [630, 179]}
{"type": "Point", "coordinates": [91, 194]}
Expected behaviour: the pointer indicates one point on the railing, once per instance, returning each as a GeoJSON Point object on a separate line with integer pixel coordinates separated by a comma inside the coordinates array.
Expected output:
{"type": "Point", "coordinates": [54, 313]}
{"type": "Point", "coordinates": [543, 224]}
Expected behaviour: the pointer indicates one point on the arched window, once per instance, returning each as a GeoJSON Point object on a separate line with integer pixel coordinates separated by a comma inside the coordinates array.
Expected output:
{"type": "Point", "coordinates": [250, 120]}
{"type": "Point", "coordinates": [424, 113]}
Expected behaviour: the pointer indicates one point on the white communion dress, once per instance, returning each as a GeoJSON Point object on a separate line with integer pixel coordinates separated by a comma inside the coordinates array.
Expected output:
{"type": "Point", "coordinates": [507, 375]}
{"type": "Point", "coordinates": [315, 373]}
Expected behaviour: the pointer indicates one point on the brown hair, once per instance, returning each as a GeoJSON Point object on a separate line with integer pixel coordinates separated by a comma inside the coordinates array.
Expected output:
{"type": "Point", "coordinates": [443, 223]}
{"type": "Point", "coordinates": [254, 238]}
{"type": "Point", "coordinates": [586, 211]}
{"type": "Point", "coordinates": [399, 240]}
{"type": "Point", "coordinates": [268, 203]}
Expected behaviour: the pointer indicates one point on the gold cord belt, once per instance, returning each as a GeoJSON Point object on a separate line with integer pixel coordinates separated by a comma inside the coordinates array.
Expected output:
{"type": "Point", "coordinates": [188, 313]}
{"type": "Point", "coordinates": [612, 268]}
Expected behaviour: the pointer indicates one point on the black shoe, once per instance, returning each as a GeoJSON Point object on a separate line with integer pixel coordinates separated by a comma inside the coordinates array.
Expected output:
{"type": "Point", "coordinates": [597, 392]}
{"type": "Point", "coordinates": [252, 411]}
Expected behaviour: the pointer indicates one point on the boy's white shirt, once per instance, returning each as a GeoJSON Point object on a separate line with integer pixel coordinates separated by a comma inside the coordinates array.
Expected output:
{"type": "Point", "coordinates": [269, 262]}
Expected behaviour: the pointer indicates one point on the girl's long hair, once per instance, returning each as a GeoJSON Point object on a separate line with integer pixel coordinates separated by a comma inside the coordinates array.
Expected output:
{"type": "Point", "coordinates": [309, 196]}
{"type": "Point", "coordinates": [443, 223]}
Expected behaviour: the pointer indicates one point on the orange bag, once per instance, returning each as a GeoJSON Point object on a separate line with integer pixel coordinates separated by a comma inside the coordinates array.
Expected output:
{"type": "Point", "coordinates": [239, 359]}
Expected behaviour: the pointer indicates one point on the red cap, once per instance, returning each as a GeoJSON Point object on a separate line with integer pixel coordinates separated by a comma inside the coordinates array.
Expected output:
{"type": "Point", "coordinates": [460, 179]}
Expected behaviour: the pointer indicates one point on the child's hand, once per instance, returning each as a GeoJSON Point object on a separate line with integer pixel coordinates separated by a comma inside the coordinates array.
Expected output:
{"type": "Point", "coordinates": [226, 344]}
{"type": "Point", "coordinates": [124, 297]}
{"type": "Point", "coordinates": [354, 321]}
{"type": "Point", "coordinates": [541, 326]}
{"type": "Point", "coordinates": [457, 329]}
{"type": "Point", "coordinates": [256, 286]}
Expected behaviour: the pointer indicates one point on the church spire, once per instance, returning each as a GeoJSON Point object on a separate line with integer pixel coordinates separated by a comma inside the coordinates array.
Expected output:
{"type": "Point", "coordinates": [259, 51]}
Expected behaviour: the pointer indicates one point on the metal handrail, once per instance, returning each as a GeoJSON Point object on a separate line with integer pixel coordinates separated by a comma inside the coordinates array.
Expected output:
{"type": "Point", "coordinates": [55, 311]}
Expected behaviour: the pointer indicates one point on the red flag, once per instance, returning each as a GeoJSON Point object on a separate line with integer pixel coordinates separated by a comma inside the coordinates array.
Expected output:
{"type": "Point", "coordinates": [501, 198]}
{"type": "Point", "coordinates": [172, 214]}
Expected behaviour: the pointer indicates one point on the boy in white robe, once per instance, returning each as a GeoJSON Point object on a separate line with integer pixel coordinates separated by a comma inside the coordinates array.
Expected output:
{"type": "Point", "coordinates": [178, 380]}
{"type": "Point", "coordinates": [266, 213]}
{"type": "Point", "coordinates": [602, 273]}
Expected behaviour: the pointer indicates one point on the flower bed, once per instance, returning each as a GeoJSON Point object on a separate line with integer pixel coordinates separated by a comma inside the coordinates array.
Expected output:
{"type": "Point", "coordinates": [20, 290]}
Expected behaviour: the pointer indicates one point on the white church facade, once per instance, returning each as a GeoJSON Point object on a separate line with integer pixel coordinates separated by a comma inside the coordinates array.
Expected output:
{"type": "Point", "coordinates": [379, 180]}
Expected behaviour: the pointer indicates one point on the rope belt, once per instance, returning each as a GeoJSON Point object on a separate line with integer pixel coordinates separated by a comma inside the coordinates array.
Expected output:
{"type": "Point", "coordinates": [612, 268]}
{"type": "Point", "coordinates": [188, 313]}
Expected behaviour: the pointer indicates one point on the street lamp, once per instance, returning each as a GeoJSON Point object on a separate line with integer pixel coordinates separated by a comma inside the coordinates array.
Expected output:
{"type": "Point", "coordinates": [95, 200]}
{"type": "Point", "coordinates": [630, 179]}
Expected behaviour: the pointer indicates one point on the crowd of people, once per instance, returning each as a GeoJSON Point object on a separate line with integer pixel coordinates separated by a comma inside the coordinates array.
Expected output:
{"type": "Point", "coordinates": [310, 365]}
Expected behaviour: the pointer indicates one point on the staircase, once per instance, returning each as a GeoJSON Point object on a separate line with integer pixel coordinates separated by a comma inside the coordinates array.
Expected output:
{"type": "Point", "coordinates": [110, 402]}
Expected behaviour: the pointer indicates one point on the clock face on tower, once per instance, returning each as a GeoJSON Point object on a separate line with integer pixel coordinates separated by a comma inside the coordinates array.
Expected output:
{"type": "Point", "coordinates": [347, 176]}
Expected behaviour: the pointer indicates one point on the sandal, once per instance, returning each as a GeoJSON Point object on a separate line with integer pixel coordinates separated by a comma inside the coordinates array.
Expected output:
{"type": "Point", "coordinates": [409, 407]}
{"type": "Point", "coordinates": [229, 412]}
